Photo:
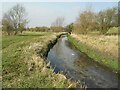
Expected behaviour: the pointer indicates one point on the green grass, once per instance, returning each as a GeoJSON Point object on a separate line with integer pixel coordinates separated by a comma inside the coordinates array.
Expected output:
{"type": "Point", "coordinates": [95, 55]}
{"type": "Point", "coordinates": [8, 40]}
{"type": "Point", "coordinates": [18, 58]}
{"type": "Point", "coordinates": [113, 30]}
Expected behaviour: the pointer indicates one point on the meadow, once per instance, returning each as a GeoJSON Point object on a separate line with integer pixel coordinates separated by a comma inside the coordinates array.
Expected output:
{"type": "Point", "coordinates": [101, 48]}
{"type": "Point", "coordinates": [23, 67]}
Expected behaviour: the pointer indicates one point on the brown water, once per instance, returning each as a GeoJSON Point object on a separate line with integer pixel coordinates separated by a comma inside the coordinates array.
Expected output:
{"type": "Point", "coordinates": [79, 67]}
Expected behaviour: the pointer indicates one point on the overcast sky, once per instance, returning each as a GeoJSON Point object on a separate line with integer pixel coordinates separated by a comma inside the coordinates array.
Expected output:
{"type": "Point", "coordinates": [44, 13]}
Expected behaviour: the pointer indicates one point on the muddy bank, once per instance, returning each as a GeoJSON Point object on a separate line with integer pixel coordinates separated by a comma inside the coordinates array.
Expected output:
{"type": "Point", "coordinates": [44, 51]}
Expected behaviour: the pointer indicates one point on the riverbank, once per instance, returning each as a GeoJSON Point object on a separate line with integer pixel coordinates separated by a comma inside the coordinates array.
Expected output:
{"type": "Point", "coordinates": [23, 65]}
{"type": "Point", "coordinates": [102, 49]}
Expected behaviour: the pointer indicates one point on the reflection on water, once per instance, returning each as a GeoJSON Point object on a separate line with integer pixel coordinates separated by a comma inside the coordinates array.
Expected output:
{"type": "Point", "coordinates": [65, 57]}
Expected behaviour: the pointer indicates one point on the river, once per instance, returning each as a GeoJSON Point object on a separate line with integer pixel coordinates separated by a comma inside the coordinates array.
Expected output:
{"type": "Point", "coordinates": [79, 67]}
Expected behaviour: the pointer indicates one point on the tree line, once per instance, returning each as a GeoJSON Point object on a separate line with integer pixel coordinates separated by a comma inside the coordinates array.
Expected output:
{"type": "Point", "coordinates": [14, 21]}
{"type": "Point", "coordinates": [39, 29]}
{"type": "Point", "coordinates": [102, 21]}
{"type": "Point", "coordinates": [56, 26]}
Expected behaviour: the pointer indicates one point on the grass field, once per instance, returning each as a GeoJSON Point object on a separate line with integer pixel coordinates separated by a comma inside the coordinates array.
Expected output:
{"type": "Point", "coordinates": [22, 67]}
{"type": "Point", "coordinates": [103, 49]}
{"type": "Point", "coordinates": [113, 30]}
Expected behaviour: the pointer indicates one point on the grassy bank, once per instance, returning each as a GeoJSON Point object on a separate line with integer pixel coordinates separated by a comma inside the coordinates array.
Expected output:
{"type": "Point", "coordinates": [95, 49]}
{"type": "Point", "coordinates": [22, 66]}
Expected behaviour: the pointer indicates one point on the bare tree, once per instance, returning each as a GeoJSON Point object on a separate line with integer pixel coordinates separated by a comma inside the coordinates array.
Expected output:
{"type": "Point", "coordinates": [59, 22]}
{"type": "Point", "coordinates": [107, 18]}
{"type": "Point", "coordinates": [16, 17]}
{"type": "Point", "coordinates": [57, 25]}
{"type": "Point", "coordinates": [90, 21]}
{"type": "Point", "coordinates": [85, 22]}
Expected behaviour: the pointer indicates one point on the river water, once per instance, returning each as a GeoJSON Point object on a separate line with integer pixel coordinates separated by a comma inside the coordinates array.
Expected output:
{"type": "Point", "coordinates": [79, 67]}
